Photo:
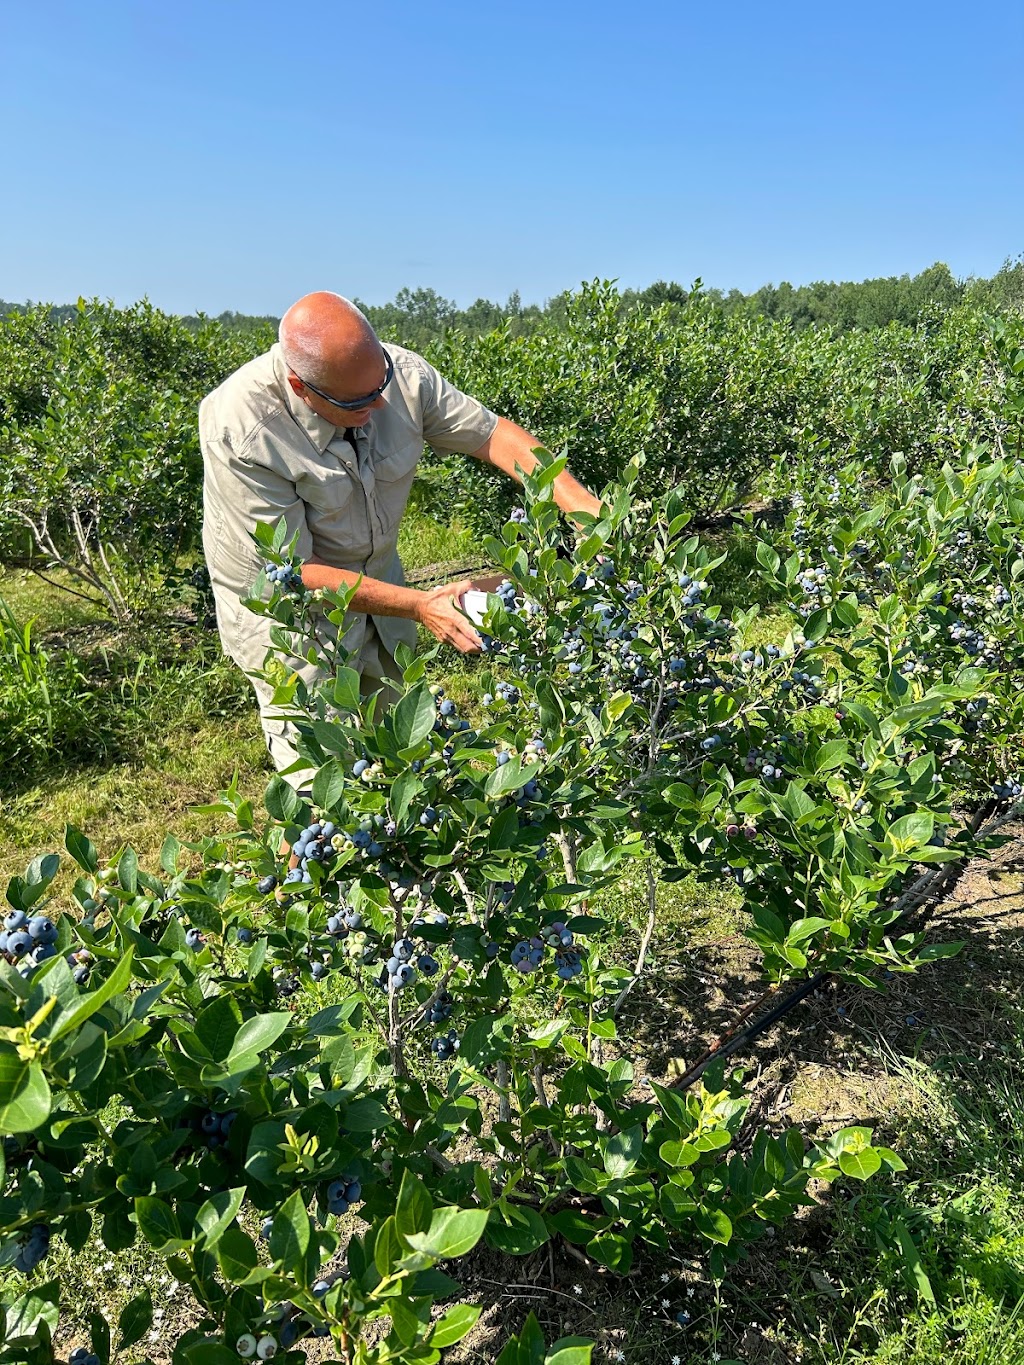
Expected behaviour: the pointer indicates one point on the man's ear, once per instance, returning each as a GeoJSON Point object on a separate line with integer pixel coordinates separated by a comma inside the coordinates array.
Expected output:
{"type": "Point", "coordinates": [295, 384]}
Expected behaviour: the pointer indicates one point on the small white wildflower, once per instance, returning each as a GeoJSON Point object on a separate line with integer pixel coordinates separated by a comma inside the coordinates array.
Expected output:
{"type": "Point", "coordinates": [716, 1355]}
{"type": "Point", "coordinates": [676, 1360]}
{"type": "Point", "coordinates": [665, 1303]}
{"type": "Point", "coordinates": [619, 1355]}
{"type": "Point", "coordinates": [689, 1292]}
{"type": "Point", "coordinates": [577, 1289]}
{"type": "Point", "coordinates": [665, 1277]}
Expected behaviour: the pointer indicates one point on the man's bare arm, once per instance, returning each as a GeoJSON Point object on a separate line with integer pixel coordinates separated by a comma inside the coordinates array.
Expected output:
{"type": "Point", "coordinates": [433, 609]}
{"type": "Point", "coordinates": [510, 445]}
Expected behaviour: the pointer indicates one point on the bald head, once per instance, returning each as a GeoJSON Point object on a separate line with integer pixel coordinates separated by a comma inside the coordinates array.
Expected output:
{"type": "Point", "coordinates": [324, 338]}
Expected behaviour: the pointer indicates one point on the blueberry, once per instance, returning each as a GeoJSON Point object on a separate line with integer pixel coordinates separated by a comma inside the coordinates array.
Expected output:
{"type": "Point", "coordinates": [266, 1228]}
{"type": "Point", "coordinates": [266, 884]}
{"type": "Point", "coordinates": [245, 1346]}
{"type": "Point", "coordinates": [447, 708]}
{"type": "Point", "coordinates": [244, 935]}
{"type": "Point", "coordinates": [429, 816]}
{"type": "Point", "coordinates": [19, 943]}
{"type": "Point", "coordinates": [211, 1123]}
{"type": "Point", "coordinates": [360, 766]}
{"type": "Point", "coordinates": [194, 938]}
{"type": "Point", "coordinates": [16, 919]}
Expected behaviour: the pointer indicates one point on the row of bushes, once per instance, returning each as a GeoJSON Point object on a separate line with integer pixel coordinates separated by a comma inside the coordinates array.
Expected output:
{"type": "Point", "coordinates": [101, 468]}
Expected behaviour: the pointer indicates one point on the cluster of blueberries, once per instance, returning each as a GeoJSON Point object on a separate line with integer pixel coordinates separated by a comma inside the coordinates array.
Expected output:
{"type": "Point", "coordinates": [81, 1355]}
{"type": "Point", "coordinates": [27, 941]}
{"type": "Point", "coordinates": [765, 762]}
{"type": "Point", "coordinates": [216, 1127]}
{"type": "Point", "coordinates": [342, 1194]}
{"type": "Point", "coordinates": [287, 576]}
{"type": "Point", "coordinates": [733, 831]}
{"type": "Point", "coordinates": [440, 1008]}
{"type": "Point", "coordinates": [343, 922]}
{"type": "Point", "coordinates": [445, 1046]}
{"type": "Point", "coordinates": [32, 1248]}
{"type": "Point", "coordinates": [80, 961]}
{"type": "Point", "coordinates": [971, 640]}
{"type": "Point", "coordinates": [400, 970]}
{"type": "Point", "coordinates": [811, 583]}
{"type": "Point", "coordinates": [528, 954]}
{"type": "Point", "coordinates": [755, 658]}
{"type": "Point", "coordinates": [806, 683]}
{"type": "Point", "coordinates": [263, 1348]}
{"type": "Point", "coordinates": [1008, 790]}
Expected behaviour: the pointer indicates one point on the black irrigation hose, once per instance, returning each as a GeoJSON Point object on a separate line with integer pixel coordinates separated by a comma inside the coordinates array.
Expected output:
{"type": "Point", "coordinates": [929, 885]}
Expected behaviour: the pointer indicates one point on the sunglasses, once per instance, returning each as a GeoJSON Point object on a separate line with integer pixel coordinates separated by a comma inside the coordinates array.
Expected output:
{"type": "Point", "coordinates": [353, 404]}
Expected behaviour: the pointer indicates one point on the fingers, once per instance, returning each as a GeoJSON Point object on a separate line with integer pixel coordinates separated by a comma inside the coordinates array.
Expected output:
{"type": "Point", "coordinates": [455, 589]}
{"type": "Point", "coordinates": [451, 627]}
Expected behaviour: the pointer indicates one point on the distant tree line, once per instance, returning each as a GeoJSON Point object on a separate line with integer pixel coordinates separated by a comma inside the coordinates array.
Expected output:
{"type": "Point", "coordinates": [417, 317]}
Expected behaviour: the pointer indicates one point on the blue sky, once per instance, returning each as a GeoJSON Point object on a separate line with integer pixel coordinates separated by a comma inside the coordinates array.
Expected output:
{"type": "Point", "coordinates": [235, 155]}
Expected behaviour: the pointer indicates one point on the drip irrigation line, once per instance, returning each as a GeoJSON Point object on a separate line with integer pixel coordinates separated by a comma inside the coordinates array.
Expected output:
{"type": "Point", "coordinates": [927, 886]}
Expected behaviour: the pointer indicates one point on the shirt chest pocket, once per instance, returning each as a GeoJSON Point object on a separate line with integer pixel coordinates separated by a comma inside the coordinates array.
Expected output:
{"type": "Point", "coordinates": [328, 489]}
{"type": "Point", "coordinates": [393, 479]}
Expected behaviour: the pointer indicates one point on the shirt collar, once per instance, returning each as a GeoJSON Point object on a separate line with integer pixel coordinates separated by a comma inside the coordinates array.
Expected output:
{"type": "Point", "coordinates": [318, 429]}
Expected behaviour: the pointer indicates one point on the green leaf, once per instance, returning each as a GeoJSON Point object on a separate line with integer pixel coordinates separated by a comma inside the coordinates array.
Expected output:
{"type": "Point", "coordinates": [38, 1305]}
{"type": "Point", "coordinates": [612, 1250]}
{"type": "Point", "coordinates": [415, 1206]}
{"type": "Point", "coordinates": [517, 1230]}
{"type": "Point", "coordinates": [570, 1351]}
{"type": "Point", "coordinates": [128, 870]}
{"type": "Point", "coordinates": [911, 1264]}
{"type": "Point", "coordinates": [452, 1233]}
{"type": "Point", "coordinates": [99, 1335]}
{"type": "Point", "coordinates": [83, 850]}
{"type": "Point", "coordinates": [259, 1033]}
{"type": "Point", "coordinates": [860, 1165]}
{"type": "Point", "coordinates": [282, 800]}
{"type": "Point", "coordinates": [413, 718]}
{"type": "Point", "coordinates": [289, 1236]}
{"type": "Point", "coordinates": [169, 850]}
{"type": "Point", "coordinates": [24, 1094]}
{"type": "Point", "coordinates": [621, 1152]}
{"type": "Point", "coordinates": [158, 1223]}
{"type": "Point", "coordinates": [715, 1224]}
{"type": "Point", "coordinates": [454, 1325]}
{"type": "Point", "coordinates": [217, 1026]}
{"type": "Point", "coordinates": [135, 1320]}
{"type": "Point", "coordinates": [404, 791]}
{"type": "Point", "coordinates": [218, 1213]}
{"type": "Point", "coordinates": [329, 785]}
{"type": "Point", "coordinates": [115, 983]}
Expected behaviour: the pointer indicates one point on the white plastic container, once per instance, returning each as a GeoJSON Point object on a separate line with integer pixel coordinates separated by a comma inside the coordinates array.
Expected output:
{"type": "Point", "coordinates": [474, 604]}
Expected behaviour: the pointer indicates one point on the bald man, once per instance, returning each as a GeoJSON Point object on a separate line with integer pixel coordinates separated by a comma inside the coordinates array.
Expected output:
{"type": "Point", "coordinates": [326, 430]}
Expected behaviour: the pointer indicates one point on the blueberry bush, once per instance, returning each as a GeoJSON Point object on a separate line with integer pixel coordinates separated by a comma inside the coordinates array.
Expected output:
{"type": "Point", "coordinates": [101, 470]}
{"type": "Point", "coordinates": [317, 1057]}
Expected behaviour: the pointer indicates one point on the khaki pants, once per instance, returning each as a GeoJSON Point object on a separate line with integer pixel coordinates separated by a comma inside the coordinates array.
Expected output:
{"type": "Point", "coordinates": [377, 670]}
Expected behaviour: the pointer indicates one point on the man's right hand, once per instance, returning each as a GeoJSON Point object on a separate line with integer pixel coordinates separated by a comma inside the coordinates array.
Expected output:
{"type": "Point", "coordinates": [438, 611]}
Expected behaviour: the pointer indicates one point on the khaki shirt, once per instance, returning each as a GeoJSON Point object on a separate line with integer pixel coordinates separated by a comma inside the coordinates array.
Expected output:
{"type": "Point", "coordinates": [267, 455]}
